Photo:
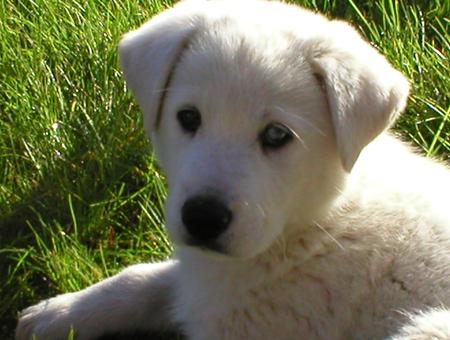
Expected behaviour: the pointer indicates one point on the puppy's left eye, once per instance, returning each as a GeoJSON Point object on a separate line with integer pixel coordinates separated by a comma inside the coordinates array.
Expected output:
{"type": "Point", "coordinates": [275, 135]}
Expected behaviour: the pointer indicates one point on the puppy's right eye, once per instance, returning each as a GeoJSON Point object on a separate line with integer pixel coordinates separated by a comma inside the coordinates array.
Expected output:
{"type": "Point", "coordinates": [275, 136]}
{"type": "Point", "coordinates": [189, 119]}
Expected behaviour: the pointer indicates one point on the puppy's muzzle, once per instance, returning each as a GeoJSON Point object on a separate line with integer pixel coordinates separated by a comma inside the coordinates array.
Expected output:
{"type": "Point", "coordinates": [205, 217]}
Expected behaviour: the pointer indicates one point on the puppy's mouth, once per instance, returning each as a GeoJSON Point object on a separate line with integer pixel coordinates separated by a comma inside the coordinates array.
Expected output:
{"type": "Point", "coordinates": [210, 246]}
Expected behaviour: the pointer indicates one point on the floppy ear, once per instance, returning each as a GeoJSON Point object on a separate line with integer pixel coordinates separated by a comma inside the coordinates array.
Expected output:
{"type": "Point", "coordinates": [365, 93]}
{"type": "Point", "coordinates": [149, 56]}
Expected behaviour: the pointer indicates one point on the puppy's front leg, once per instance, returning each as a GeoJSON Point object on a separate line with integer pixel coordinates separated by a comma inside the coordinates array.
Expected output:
{"type": "Point", "coordinates": [138, 298]}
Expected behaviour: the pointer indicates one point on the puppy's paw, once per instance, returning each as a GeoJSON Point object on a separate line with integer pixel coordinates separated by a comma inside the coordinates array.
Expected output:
{"type": "Point", "coordinates": [49, 319]}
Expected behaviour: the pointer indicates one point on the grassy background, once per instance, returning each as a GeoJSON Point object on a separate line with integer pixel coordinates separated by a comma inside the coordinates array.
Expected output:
{"type": "Point", "coordinates": [80, 194]}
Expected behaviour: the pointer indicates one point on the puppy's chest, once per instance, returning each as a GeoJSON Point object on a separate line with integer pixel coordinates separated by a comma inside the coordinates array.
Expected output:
{"type": "Point", "coordinates": [288, 304]}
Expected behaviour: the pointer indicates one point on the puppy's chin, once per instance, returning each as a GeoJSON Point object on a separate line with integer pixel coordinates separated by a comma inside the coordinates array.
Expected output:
{"type": "Point", "coordinates": [232, 245]}
{"type": "Point", "coordinates": [213, 246]}
{"type": "Point", "coordinates": [218, 251]}
{"type": "Point", "coordinates": [184, 243]}
{"type": "Point", "coordinates": [211, 252]}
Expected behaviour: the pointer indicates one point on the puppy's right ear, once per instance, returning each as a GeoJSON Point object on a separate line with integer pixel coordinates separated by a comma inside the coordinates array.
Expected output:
{"type": "Point", "coordinates": [365, 93]}
{"type": "Point", "coordinates": [149, 56]}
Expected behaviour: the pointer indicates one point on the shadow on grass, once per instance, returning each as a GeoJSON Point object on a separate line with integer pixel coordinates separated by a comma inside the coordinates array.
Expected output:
{"type": "Point", "coordinates": [68, 187]}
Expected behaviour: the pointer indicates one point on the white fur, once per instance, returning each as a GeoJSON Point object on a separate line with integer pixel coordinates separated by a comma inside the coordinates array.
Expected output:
{"type": "Point", "coordinates": [344, 233]}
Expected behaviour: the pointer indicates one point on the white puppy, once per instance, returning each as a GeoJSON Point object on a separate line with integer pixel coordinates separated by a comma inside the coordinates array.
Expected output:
{"type": "Point", "coordinates": [294, 215]}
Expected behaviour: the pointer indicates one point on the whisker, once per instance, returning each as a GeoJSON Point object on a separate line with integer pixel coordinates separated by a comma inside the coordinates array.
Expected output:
{"type": "Point", "coordinates": [307, 122]}
{"type": "Point", "coordinates": [300, 139]}
{"type": "Point", "coordinates": [245, 203]}
{"type": "Point", "coordinates": [302, 119]}
{"type": "Point", "coordinates": [261, 210]}
{"type": "Point", "coordinates": [329, 235]}
{"type": "Point", "coordinates": [258, 206]}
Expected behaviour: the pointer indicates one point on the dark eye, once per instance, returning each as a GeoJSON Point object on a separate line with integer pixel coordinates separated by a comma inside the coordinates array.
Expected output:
{"type": "Point", "coordinates": [275, 135]}
{"type": "Point", "coordinates": [189, 119]}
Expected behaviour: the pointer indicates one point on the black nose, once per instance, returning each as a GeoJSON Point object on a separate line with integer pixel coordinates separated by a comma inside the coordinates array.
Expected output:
{"type": "Point", "coordinates": [205, 217]}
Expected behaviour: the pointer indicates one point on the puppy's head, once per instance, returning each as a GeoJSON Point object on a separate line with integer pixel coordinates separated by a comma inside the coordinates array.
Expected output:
{"type": "Point", "coordinates": [257, 111]}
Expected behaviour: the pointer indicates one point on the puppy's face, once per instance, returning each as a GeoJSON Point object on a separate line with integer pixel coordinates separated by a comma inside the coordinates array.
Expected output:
{"type": "Point", "coordinates": [253, 143]}
{"type": "Point", "coordinates": [247, 143]}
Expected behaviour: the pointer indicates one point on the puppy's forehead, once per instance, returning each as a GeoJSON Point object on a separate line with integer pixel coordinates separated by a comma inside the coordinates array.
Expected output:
{"type": "Point", "coordinates": [243, 65]}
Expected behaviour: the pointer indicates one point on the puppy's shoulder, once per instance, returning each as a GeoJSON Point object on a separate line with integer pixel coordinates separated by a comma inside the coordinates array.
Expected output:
{"type": "Point", "coordinates": [398, 196]}
{"type": "Point", "coordinates": [395, 176]}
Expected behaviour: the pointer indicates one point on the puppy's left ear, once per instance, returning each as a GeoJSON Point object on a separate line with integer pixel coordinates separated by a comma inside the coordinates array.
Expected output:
{"type": "Point", "coordinates": [365, 93]}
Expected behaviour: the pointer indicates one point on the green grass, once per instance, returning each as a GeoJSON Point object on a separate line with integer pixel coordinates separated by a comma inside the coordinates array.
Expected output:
{"type": "Point", "coordinates": [80, 194]}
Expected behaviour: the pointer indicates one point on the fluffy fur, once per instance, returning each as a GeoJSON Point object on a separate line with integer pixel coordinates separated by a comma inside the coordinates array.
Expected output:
{"type": "Point", "coordinates": [343, 233]}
